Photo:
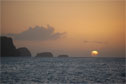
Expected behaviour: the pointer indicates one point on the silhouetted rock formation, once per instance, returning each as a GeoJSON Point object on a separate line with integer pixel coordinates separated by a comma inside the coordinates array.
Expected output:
{"type": "Point", "coordinates": [44, 54]}
{"type": "Point", "coordinates": [7, 47]}
{"type": "Point", "coordinates": [24, 52]}
{"type": "Point", "coordinates": [62, 56]}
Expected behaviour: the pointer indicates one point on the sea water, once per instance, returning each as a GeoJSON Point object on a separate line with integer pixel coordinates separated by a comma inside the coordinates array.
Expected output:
{"type": "Point", "coordinates": [17, 70]}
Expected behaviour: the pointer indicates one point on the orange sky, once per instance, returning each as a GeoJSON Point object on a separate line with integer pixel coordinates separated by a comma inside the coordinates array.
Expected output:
{"type": "Point", "coordinates": [89, 25]}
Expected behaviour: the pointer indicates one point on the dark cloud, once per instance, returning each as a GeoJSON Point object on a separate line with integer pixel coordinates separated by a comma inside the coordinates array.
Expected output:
{"type": "Point", "coordinates": [96, 42]}
{"type": "Point", "coordinates": [38, 33]}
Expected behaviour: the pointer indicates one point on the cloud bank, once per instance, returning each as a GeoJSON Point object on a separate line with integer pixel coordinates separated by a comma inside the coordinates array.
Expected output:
{"type": "Point", "coordinates": [38, 33]}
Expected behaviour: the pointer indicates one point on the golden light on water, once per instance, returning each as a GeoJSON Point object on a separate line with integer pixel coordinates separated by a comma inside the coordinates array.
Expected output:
{"type": "Point", "coordinates": [94, 53]}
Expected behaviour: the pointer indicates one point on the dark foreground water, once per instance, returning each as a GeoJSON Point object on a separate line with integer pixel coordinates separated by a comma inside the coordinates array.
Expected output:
{"type": "Point", "coordinates": [62, 71]}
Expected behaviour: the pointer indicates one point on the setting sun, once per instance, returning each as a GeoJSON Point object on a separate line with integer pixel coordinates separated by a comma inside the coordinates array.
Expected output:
{"type": "Point", "coordinates": [94, 53]}
{"type": "Point", "coordinates": [63, 41]}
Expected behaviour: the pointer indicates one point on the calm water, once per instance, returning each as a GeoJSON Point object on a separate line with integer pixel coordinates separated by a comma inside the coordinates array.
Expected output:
{"type": "Point", "coordinates": [62, 70]}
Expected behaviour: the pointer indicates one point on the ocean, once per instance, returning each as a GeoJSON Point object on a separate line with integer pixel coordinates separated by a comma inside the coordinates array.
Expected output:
{"type": "Point", "coordinates": [17, 70]}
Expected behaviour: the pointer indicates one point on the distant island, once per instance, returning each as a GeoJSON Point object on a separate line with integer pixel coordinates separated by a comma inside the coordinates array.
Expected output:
{"type": "Point", "coordinates": [24, 52]}
{"type": "Point", "coordinates": [8, 48]}
{"type": "Point", "coordinates": [63, 56]}
{"type": "Point", "coordinates": [44, 54]}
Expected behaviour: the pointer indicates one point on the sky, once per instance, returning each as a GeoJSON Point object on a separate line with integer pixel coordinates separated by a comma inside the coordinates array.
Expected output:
{"type": "Point", "coordinates": [73, 27]}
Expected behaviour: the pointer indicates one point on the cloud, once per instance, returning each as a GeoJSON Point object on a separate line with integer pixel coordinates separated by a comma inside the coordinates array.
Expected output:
{"type": "Point", "coordinates": [96, 42]}
{"type": "Point", "coordinates": [38, 33]}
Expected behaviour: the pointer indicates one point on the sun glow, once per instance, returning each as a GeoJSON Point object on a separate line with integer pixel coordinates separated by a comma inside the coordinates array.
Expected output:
{"type": "Point", "coordinates": [94, 53]}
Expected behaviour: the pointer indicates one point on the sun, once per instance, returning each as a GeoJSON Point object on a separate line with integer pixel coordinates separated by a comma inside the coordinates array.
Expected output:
{"type": "Point", "coordinates": [94, 53]}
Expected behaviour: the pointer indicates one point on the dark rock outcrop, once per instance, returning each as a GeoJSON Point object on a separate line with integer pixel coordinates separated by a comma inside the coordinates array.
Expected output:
{"type": "Point", "coordinates": [63, 56]}
{"type": "Point", "coordinates": [44, 54]}
{"type": "Point", "coordinates": [7, 47]}
{"type": "Point", "coordinates": [24, 52]}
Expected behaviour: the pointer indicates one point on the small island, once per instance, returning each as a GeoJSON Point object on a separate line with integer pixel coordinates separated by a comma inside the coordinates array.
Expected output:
{"type": "Point", "coordinates": [44, 54]}
{"type": "Point", "coordinates": [24, 52]}
{"type": "Point", "coordinates": [63, 56]}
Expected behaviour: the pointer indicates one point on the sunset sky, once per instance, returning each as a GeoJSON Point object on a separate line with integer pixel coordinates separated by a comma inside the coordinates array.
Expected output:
{"type": "Point", "coordinates": [73, 27]}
